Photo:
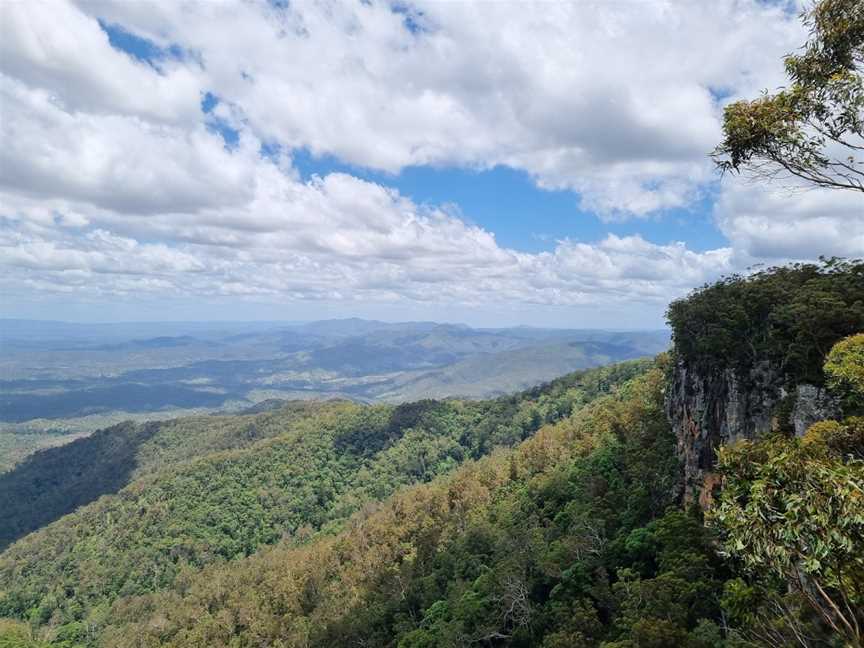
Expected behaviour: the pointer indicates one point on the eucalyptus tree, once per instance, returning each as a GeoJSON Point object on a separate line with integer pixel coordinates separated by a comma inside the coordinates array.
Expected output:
{"type": "Point", "coordinates": [813, 129]}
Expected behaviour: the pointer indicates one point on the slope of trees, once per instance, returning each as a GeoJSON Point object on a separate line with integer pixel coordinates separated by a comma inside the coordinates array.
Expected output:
{"type": "Point", "coordinates": [56, 481]}
{"type": "Point", "coordinates": [572, 539]}
{"type": "Point", "coordinates": [320, 464]}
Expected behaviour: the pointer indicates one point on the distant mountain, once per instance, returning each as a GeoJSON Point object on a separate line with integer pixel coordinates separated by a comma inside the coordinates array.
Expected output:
{"type": "Point", "coordinates": [485, 375]}
{"type": "Point", "coordinates": [51, 372]}
{"type": "Point", "coordinates": [161, 342]}
{"type": "Point", "coordinates": [354, 326]}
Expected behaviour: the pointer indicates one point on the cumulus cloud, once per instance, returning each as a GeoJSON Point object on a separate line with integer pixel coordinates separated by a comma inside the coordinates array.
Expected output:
{"type": "Point", "coordinates": [117, 161]}
{"type": "Point", "coordinates": [619, 103]}
{"type": "Point", "coordinates": [336, 237]}
{"type": "Point", "coordinates": [779, 223]}
{"type": "Point", "coordinates": [114, 181]}
{"type": "Point", "coordinates": [58, 48]}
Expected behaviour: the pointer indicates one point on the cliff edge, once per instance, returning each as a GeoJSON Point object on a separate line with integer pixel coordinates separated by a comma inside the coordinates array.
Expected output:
{"type": "Point", "coordinates": [747, 359]}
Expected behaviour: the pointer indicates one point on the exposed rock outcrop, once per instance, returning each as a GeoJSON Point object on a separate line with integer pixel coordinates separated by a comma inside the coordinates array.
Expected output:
{"type": "Point", "coordinates": [812, 404]}
{"type": "Point", "coordinates": [707, 410]}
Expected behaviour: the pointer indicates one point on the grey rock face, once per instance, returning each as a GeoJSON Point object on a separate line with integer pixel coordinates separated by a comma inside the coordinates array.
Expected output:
{"type": "Point", "coordinates": [707, 410]}
{"type": "Point", "coordinates": [812, 404]}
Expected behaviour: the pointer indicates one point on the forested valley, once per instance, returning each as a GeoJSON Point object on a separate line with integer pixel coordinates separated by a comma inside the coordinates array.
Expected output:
{"type": "Point", "coordinates": [557, 517]}
{"type": "Point", "coordinates": [710, 496]}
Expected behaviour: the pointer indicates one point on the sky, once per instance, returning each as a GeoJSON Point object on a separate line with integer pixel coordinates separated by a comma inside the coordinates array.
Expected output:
{"type": "Point", "coordinates": [492, 163]}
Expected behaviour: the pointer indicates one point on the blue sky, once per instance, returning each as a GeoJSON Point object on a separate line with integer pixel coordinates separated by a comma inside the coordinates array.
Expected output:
{"type": "Point", "coordinates": [495, 163]}
{"type": "Point", "coordinates": [504, 201]}
{"type": "Point", "coordinates": [522, 215]}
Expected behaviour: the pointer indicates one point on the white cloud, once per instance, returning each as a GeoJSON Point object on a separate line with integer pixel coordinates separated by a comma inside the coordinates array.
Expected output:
{"type": "Point", "coordinates": [117, 161]}
{"type": "Point", "coordinates": [333, 238]}
{"type": "Point", "coordinates": [614, 101]}
{"type": "Point", "coordinates": [59, 49]}
{"type": "Point", "coordinates": [779, 223]}
{"type": "Point", "coordinates": [112, 181]}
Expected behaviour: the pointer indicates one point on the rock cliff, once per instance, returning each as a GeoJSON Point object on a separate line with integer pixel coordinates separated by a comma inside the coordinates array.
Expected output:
{"type": "Point", "coordinates": [707, 410]}
{"type": "Point", "coordinates": [748, 357]}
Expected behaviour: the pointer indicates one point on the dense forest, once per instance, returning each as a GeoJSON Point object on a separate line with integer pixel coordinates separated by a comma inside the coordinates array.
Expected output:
{"type": "Point", "coordinates": [211, 489]}
{"type": "Point", "coordinates": [551, 518]}
{"type": "Point", "coordinates": [787, 316]}
{"type": "Point", "coordinates": [709, 497]}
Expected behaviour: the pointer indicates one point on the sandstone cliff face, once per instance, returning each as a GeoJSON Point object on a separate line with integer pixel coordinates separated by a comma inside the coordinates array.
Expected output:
{"type": "Point", "coordinates": [723, 406]}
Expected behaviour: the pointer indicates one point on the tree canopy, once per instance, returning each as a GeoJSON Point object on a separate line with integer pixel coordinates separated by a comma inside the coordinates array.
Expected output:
{"type": "Point", "coordinates": [789, 316]}
{"type": "Point", "coordinates": [845, 370]}
{"type": "Point", "coordinates": [793, 510]}
{"type": "Point", "coordinates": [282, 476]}
{"type": "Point", "coordinates": [812, 130]}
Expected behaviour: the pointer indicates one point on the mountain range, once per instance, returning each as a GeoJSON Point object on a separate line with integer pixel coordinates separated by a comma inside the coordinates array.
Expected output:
{"type": "Point", "coordinates": [62, 380]}
{"type": "Point", "coordinates": [696, 499]}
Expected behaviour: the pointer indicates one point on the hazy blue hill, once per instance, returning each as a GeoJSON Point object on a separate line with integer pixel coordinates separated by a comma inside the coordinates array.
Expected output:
{"type": "Point", "coordinates": [384, 351]}
{"type": "Point", "coordinates": [57, 376]}
{"type": "Point", "coordinates": [129, 397]}
{"type": "Point", "coordinates": [510, 370]}
{"type": "Point", "coordinates": [161, 342]}
{"type": "Point", "coordinates": [355, 326]}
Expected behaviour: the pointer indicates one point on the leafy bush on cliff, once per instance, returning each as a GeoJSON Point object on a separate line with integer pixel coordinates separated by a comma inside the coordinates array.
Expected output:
{"type": "Point", "coordinates": [844, 368]}
{"type": "Point", "coordinates": [792, 511]}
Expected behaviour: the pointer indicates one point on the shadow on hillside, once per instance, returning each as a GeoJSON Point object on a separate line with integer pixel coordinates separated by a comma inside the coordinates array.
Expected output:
{"type": "Point", "coordinates": [127, 397]}
{"type": "Point", "coordinates": [56, 481]}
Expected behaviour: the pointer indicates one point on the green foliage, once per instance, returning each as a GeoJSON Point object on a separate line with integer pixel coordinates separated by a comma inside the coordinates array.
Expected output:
{"type": "Point", "coordinates": [53, 482]}
{"type": "Point", "coordinates": [284, 475]}
{"type": "Point", "coordinates": [844, 368]}
{"type": "Point", "coordinates": [814, 129]}
{"type": "Point", "coordinates": [14, 634]}
{"type": "Point", "coordinates": [568, 540]}
{"type": "Point", "coordinates": [788, 316]}
{"type": "Point", "coordinates": [841, 440]}
{"type": "Point", "coordinates": [56, 481]}
{"type": "Point", "coordinates": [16, 446]}
{"type": "Point", "coordinates": [794, 510]}
{"type": "Point", "coordinates": [671, 588]}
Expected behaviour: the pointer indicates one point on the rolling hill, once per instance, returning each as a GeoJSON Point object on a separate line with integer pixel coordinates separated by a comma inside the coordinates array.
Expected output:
{"type": "Point", "coordinates": [166, 499]}
{"type": "Point", "coordinates": [60, 381]}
